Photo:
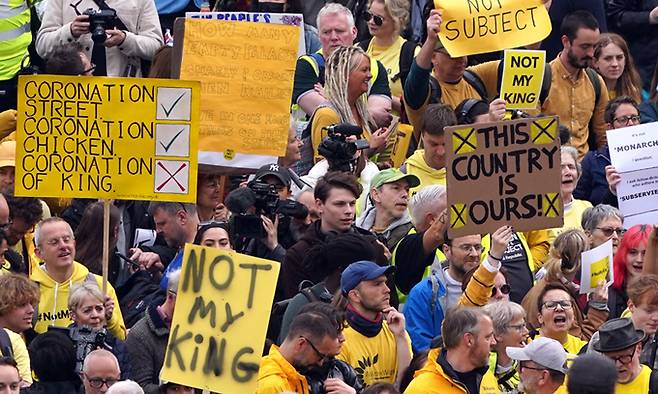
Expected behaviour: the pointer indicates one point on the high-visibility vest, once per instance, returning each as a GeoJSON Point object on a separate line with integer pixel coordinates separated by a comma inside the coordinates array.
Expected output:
{"type": "Point", "coordinates": [15, 36]}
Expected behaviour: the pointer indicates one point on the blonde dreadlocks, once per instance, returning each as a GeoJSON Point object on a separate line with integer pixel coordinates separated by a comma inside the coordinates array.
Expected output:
{"type": "Point", "coordinates": [338, 67]}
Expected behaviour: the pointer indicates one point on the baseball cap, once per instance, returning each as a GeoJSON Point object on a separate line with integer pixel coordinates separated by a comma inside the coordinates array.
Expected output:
{"type": "Point", "coordinates": [280, 172]}
{"type": "Point", "coordinates": [8, 154]}
{"type": "Point", "coordinates": [391, 175]}
{"type": "Point", "coordinates": [543, 351]}
{"type": "Point", "coordinates": [359, 271]}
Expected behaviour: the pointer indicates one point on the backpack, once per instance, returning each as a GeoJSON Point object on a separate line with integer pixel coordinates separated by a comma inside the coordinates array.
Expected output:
{"type": "Point", "coordinates": [5, 344]}
{"type": "Point", "coordinates": [279, 309]}
{"type": "Point", "coordinates": [469, 76]}
{"type": "Point", "coordinates": [135, 294]}
{"type": "Point", "coordinates": [596, 84]}
{"type": "Point", "coordinates": [406, 58]}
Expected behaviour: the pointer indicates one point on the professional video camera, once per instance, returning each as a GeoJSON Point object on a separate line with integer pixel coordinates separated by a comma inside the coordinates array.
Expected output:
{"type": "Point", "coordinates": [335, 148]}
{"type": "Point", "coordinates": [99, 21]}
{"type": "Point", "coordinates": [266, 201]}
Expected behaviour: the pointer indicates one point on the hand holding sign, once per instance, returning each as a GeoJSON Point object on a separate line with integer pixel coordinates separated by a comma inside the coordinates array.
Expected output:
{"type": "Point", "coordinates": [613, 178]}
{"type": "Point", "coordinates": [596, 266]}
{"type": "Point", "coordinates": [499, 240]}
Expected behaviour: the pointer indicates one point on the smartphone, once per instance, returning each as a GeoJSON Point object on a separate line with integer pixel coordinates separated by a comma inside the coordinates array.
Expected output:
{"type": "Point", "coordinates": [134, 265]}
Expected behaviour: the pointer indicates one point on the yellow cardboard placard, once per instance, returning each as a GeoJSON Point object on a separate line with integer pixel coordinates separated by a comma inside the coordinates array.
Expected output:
{"type": "Point", "coordinates": [115, 138]}
{"type": "Point", "coordinates": [599, 272]}
{"type": "Point", "coordinates": [522, 78]}
{"type": "Point", "coordinates": [218, 330]}
{"type": "Point", "coordinates": [402, 141]}
{"type": "Point", "coordinates": [480, 26]}
{"type": "Point", "coordinates": [246, 71]}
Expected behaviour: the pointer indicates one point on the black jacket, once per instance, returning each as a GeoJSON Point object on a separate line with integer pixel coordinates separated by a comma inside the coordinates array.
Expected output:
{"type": "Point", "coordinates": [333, 369]}
{"type": "Point", "coordinates": [67, 387]}
{"type": "Point", "coordinates": [592, 185]}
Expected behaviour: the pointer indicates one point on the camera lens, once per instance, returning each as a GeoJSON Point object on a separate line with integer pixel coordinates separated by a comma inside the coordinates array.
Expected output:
{"type": "Point", "coordinates": [98, 34]}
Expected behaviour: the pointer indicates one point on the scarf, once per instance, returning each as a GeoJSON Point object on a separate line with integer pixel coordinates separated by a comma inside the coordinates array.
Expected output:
{"type": "Point", "coordinates": [363, 326]}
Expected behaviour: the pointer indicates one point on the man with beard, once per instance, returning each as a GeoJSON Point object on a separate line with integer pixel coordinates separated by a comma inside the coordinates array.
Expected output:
{"type": "Point", "coordinates": [376, 343]}
{"type": "Point", "coordinates": [573, 94]}
{"type": "Point", "coordinates": [542, 365]}
{"type": "Point", "coordinates": [462, 364]}
{"type": "Point", "coordinates": [312, 341]}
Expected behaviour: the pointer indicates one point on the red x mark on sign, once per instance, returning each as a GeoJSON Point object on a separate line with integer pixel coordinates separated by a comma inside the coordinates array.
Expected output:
{"type": "Point", "coordinates": [171, 176]}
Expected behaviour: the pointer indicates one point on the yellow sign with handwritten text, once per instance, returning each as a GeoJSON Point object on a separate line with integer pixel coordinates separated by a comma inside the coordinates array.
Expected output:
{"type": "Point", "coordinates": [599, 271]}
{"type": "Point", "coordinates": [246, 71]}
{"type": "Point", "coordinates": [96, 137]}
{"type": "Point", "coordinates": [523, 75]}
{"type": "Point", "coordinates": [480, 26]}
{"type": "Point", "coordinates": [220, 320]}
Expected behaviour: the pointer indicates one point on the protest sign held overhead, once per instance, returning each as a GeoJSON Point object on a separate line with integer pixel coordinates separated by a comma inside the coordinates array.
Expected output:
{"type": "Point", "coordinates": [504, 173]}
{"type": "Point", "coordinates": [119, 138]}
{"type": "Point", "coordinates": [522, 78]}
{"type": "Point", "coordinates": [220, 320]}
{"type": "Point", "coordinates": [246, 71]}
{"type": "Point", "coordinates": [480, 26]}
{"type": "Point", "coordinates": [634, 152]}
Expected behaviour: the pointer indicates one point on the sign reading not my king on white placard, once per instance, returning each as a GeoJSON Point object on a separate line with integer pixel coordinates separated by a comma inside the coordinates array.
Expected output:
{"type": "Point", "coordinates": [634, 152]}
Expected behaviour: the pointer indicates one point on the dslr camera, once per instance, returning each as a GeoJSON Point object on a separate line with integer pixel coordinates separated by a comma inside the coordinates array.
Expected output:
{"type": "Point", "coordinates": [335, 148]}
{"type": "Point", "coordinates": [99, 21]}
{"type": "Point", "coordinates": [85, 339]}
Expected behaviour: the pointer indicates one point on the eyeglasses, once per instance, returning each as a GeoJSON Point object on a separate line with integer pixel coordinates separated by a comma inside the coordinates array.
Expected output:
{"type": "Point", "coordinates": [525, 366]}
{"type": "Point", "coordinates": [467, 248]}
{"type": "Point", "coordinates": [89, 70]}
{"type": "Point", "coordinates": [607, 231]}
{"type": "Point", "coordinates": [323, 357]}
{"type": "Point", "coordinates": [504, 289]}
{"type": "Point", "coordinates": [518, 327]}
{"type": "Point", "coordinates": [67, 239]}
{"type": "Point", "coordinates": [99, 382]}
{"type": "Point", "coordinates": [625, 120]}
{"type": "Point", "coordinates": [375, 18]}
{"type": "Point", "coordinates": [564, 304]}
{"type": "Point", "coordinates": [624, 359]}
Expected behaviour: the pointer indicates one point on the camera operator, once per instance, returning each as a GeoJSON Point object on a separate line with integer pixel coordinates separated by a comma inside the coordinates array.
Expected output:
{"type": "Point", "coordinates": [265, 218]}
{"type": "Point", "coordinates": [117, 35]}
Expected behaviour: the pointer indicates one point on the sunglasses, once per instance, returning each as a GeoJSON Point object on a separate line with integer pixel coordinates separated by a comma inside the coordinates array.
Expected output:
{"type": "Point", "coordinates": [607, 231]}
{"type": "Point", "coordinates": [323, 357]}
{"type": "Point", "coordinates": [378, 20]}
{"type": "Point", "coordinates": [504, 289]}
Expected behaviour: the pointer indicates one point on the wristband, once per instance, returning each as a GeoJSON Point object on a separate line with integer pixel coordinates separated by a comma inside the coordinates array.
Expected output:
{"type": "Point", "coordinates": [495, 258]}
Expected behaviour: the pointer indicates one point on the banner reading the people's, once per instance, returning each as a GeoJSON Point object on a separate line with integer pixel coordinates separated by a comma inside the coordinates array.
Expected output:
{"type": "Point", "coordinates": [634, 153]}
{"type": "Point", "coordinates": [480, 26]}
{"type": "Point", "coordinates": [523, 75]}
{"type": "Point", "coordinates": [246, 71]}
{"type": "Point", "coordinates": [504, 173]}
{"type": "Point", "coordinates": [113, 138]}
{"type": "Point", "coordinates": [218, 330]}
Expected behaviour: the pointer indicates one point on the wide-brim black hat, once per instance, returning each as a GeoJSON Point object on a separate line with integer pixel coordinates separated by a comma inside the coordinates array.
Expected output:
{"type": "Point", "coordinates": [617, 334]}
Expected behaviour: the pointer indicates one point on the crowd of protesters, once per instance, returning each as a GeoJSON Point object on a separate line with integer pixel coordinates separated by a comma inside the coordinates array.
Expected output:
{"type": "Point", "coordinates": [373, 295]}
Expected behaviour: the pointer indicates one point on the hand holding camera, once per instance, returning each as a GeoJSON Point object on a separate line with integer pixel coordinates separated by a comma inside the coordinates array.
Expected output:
{"type": "Point", "coordinates": [80, 25]}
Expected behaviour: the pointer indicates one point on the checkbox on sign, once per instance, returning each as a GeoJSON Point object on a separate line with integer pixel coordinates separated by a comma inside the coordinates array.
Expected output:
{"type": "Point", "coordinates": [173, 104]}
{"type": "Point", "coordinates": [172, 176]}
{"type": "Point", "coordinates": [172, 140]}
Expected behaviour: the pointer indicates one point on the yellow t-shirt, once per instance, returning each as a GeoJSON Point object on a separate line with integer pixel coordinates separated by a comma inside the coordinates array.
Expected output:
{"type": "Point", "coordinates": [374, 359]}
{"type": "Point", "coordinates": [389, 57]}
{"type": "Point", "coordinates": [573, 213]}
{"type": "Point", "coordinates": [639, 385]}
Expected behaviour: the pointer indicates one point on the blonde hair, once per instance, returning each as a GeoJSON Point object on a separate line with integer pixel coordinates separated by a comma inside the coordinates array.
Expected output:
{"type": "Point", "coordinates": [83, 290]}
{"type": "Point", "coordinates": [565, 254]}
{"type": "Point", "coordinates": [342, 62]}
{"type": "Point", "coordinates": [398, 10]}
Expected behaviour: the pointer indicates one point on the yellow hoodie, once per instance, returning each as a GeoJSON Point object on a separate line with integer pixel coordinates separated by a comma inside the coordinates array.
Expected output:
{"type": "Point", "coordinates": [277, 375]}
{"type": "Point", "coordinates": [53, 307]}
{"type": "Point", "coordinates": [416, 165]}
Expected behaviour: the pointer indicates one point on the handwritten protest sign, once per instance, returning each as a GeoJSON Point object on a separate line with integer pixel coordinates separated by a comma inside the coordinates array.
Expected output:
{"type": "Point", "coordinates": [258, 17]}
{"type": "Point", "coordinates": [634, 152]}
{"type": "Point", "coordinates": [247, 73]}
{"type": "Point", "coordinates": [596, 266]}
{"type": "Point", "coordinates": [504, 173]}
{"type": "Point", "coordinates": [522, 78]}
{"type": "Point", "coordinates": [479, 26]}
{"type": "Point", "coordinates": [219, 324]}
{"type": "Point", "coordinates": [120, 138]}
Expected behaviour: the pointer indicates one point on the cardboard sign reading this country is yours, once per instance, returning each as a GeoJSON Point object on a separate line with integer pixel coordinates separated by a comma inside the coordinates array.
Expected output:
{"type": "Point", "coordinates": [504, 173]}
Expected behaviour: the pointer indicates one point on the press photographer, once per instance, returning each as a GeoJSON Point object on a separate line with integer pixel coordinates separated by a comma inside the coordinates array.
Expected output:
{"type": "Point", "coordinates": [265, 221]}
{"type": "Point", "coordinates": [117, 35]}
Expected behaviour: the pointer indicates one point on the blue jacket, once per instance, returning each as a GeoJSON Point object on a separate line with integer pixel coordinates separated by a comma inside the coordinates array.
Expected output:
{"type": "Point", "coordinates": [648, 112]}
{"type": "Point", "coordinates": [592, 185]}
{"type": "Point", "coordinates": [423, 312]}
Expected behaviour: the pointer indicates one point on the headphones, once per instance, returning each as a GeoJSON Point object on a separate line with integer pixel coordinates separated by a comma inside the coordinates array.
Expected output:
{"type": "Point", "coordinates": [466, 106]}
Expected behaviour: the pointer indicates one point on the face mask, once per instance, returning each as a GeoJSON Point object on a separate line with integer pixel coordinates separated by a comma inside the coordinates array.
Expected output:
{"type": "Point", "coordinates": [271, 8]}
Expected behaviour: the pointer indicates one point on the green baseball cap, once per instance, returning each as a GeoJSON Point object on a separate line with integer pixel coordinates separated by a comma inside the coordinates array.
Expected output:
{"type": "Point", "coordinates": [391, 175]}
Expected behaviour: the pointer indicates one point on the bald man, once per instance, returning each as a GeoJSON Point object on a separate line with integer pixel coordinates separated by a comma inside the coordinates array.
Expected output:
{"type": "Point", "coordinates": [99, 371]}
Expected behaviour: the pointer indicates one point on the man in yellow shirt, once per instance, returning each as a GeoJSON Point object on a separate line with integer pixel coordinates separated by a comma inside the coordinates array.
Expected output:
{"type": "Point", "coordinates": [622, 343]}
{"type": "Point", "coordinates": [573, 93]}
{"type": "Point", "coordinates": [462, 366]}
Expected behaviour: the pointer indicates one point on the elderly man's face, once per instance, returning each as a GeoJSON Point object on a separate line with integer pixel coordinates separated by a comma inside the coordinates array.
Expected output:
{"type": "Point", "coordinates": [56, 245]}
{"type": "Point", "coordinates": [101, 373]}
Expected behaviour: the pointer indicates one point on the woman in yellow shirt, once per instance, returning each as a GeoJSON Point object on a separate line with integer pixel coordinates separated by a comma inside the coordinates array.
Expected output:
{"type": "Point", "coordinates": [386, 19]}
